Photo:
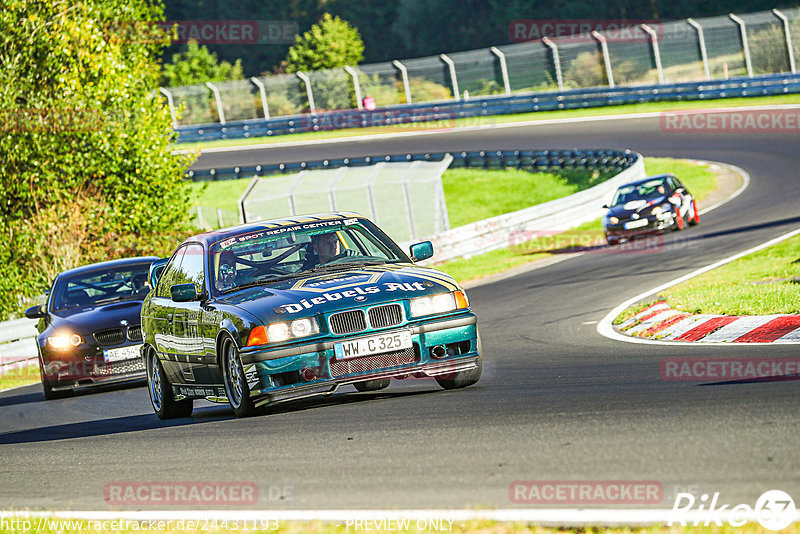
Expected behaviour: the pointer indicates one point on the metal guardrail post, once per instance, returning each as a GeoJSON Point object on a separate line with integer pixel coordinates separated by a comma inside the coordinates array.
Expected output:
{"type": "Point", "coordinates": [656, 52]}
{"type": "Point", "coordinates": [263, 91]}
{"type": "Point", "coordinates": [218, 99]}
{"type": "Point", "coordinates": [606, 57]}
{"type": "Point", "coordinates": [356, 85]}
{"type": "Point", "coordinates": [245, 194]}
{"type": "Point", "coordinates": [171, 104]}
{"type": "Point", "coordinates": [503, 68]}
{"type": "Point", "coordinates": [309, 92]}
{"type": "Point", "coordinates": [453, 78]}
{"type": "Point", "coordinates": [702, 42]}
{"type": "Point", "coordinates": [745, 47]}
{"type": "Point", "coordinates": [556, 62]}
{"type": "Point", "coordinates": [373, 211]}
{"type": "Point", "coordinates": [787, 32]}
{"type": "Point", "coordinates": [404, 73]}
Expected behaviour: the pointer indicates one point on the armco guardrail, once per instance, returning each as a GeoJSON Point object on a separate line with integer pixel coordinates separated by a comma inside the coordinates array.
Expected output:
{"type": "Point", "coordinates": [17, 341]}
{"type": "Point", "coordinates": [771, 84]}
{"type": "Point", "coordinates": [534, 160]}
{"type": "Point", "coordinates": [554, 216]}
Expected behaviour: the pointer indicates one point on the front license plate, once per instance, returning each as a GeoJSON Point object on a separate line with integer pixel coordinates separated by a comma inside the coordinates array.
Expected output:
{"type": "Point", "coordinates": [635, 224]}
{"type": "Point", "coordinates": [122, 353]}
{"type": "Point", "coordinates": [372, 345]}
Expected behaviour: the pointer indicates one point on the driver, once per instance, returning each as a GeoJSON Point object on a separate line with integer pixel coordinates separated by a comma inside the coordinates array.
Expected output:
{"type": "Point", "coordinates": [326, 247]}
{"type": "Point", "coordinates": [226, 274]}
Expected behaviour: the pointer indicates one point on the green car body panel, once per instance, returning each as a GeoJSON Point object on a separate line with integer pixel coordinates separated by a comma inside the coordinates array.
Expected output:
{"type": "Point", "coordinates": [353, 308]}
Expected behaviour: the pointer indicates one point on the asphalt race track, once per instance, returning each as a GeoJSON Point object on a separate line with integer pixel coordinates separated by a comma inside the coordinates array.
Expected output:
{"type": "Point", "coordinates": [557, 400]}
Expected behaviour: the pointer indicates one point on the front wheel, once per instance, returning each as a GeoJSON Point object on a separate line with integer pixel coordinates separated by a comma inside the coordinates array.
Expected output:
{"type": "Point", "coordinates": [47, 389]}
{"type": "Point", "coordinates": [161, 395]}
{"type": "Point", "coordinates": [463, 379]}
{"type": "Point", "coordinates": [679, 223]}
{"type": "Point", "coordinates": [695, 214]}
{"type": "Point", "coordinates": [235, 384]}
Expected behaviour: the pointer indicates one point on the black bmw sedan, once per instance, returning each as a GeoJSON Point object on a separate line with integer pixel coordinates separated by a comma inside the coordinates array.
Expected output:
{"type": "Point", "coordinates": [90, 330]}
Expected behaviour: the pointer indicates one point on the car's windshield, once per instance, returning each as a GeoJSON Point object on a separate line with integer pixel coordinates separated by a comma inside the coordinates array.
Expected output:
{"type": "Point", "coordinates": [643, 191]}
{"type": "Point", "coordinates": [269, 255]}
{"type": "Point", "coordinates": [101, 286]}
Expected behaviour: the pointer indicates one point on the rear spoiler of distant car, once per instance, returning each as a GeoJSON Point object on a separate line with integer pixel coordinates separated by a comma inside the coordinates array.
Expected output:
{"type": "Point", "coordinates": [156, 269]}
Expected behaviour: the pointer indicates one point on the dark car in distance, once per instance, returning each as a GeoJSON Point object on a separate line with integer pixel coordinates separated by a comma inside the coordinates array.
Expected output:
{"type": "Point", "coordinates": [90, 328]}
{"type": "Point", "coordinates": [298, 307]}
{"type": "Point", "coordinates": [653, 204]}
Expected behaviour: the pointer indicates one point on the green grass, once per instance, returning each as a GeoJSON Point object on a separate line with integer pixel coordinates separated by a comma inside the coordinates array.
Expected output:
{"type": "Point", "coordinates": [70, 526]}
{"type": "Point", "coordinates": [476, 194]}
{"type": "Point", "coordinates": [21, 376]}
{"type": "Point", "coordinates": [502, 119]}
{"type": "Point", "coordinates": [765, 282]}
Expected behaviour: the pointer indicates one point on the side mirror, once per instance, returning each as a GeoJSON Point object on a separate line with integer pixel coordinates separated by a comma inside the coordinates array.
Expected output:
{"type": "Point", "coordinates": [605, 206]}
{"type": "Point", "coordinates": [421, 251]}
{"type": "Point", "coordinates": [183, 292]}
{"type": "Point", "coordinates": [34, 312]}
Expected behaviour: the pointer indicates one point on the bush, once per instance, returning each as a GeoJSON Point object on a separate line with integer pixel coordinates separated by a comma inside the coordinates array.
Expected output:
{"type": "Point", "coordinates": [87, 171]}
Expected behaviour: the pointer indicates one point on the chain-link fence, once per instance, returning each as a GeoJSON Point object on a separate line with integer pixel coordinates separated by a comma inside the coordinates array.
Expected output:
{"type": "Point", "coordinates": [405, 198]}
{"type": "Point", "coordinates": [644, 54]}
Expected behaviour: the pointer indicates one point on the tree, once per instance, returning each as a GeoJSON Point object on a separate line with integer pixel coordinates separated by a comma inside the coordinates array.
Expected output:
{"type": "Point", "coordinates": [198, 65]}
{"type": "Point", "coordinates": [329, 44]}
{"type": "Point", "coordinates": [87, 171]}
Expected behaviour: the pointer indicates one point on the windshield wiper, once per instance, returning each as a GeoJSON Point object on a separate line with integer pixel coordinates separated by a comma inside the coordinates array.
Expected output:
{"type": "Point", "coordinates": [260, 282]}
{"type": "Point", "coordinates": [342, 265]}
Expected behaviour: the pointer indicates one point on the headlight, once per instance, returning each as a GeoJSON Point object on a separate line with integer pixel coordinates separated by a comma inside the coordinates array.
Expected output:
{"type": "Point", "coordinates": [441, 303]}
{"type": "Point", "coordinates": [64, 341]}
{"type": "Point", "coordinates": [277, 332]}
{"type": "Point", "coordinates": [613, 220]}
{"type": "Point", "coordinates": [658, 210]}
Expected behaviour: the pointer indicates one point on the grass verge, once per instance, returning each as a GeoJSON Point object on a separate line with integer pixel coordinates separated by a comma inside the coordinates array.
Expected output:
{"type": "Point", "coordinates": [69, 526]}
{"type": "Point", "coordinates": [500, 119]}
{"type": "Point", "coordinates": [699, 179]}
{"type": "Point", "coordinates": [19, 376]}
{"type": "Point", "coordinates": [765, 282]}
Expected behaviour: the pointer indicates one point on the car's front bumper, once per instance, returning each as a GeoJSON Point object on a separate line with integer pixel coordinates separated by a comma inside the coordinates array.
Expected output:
{"type": "Point", "coordinates": [654, 225]}
{"type": "Point", "coordinates": [312, 369]}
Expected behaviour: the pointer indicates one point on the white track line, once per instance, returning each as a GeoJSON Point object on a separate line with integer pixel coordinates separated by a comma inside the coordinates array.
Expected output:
{"type": "Point", "coordinates": [605, 327]}
{"type": "Point", "coordinates": [542, 516]}
{"type": "Point", "coordinates": [459, 129]}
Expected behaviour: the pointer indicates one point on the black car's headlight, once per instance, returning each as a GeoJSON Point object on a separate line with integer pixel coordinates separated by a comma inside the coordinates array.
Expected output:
{"type": "Point", "coordinates": [64, 341]}
{"type": "Point", "coordinates": [441, 303]}
{"type": "Point", "coordinates": [613, 220]}
{"type": "Point", "coordinates": [277, 332]}
{"type": "Point", "coordinates": [660, 210]}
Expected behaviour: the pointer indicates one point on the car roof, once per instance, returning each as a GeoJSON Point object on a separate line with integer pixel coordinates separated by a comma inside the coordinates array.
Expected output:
{"type": "Point", "coordinates": [110, 264]}
{"type": "Point", "coordinates": [647, 179]}
{"type": "Point", "coordinates": [209, 238]}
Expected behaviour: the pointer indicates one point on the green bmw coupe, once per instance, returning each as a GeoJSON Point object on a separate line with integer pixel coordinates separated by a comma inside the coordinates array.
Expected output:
{"type": "Point", "coordinates": [290, 308]}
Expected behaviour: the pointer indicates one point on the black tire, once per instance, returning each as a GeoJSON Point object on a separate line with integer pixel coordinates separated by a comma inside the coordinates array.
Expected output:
{"type": "Point", "coordinates": [463, 379]}
{"type": "Point", "coordinates": [373, 385]}
{"type": "Point", "coordinates": [47, 388]}
{"type": "Point", "coordinates": [235, 383]}
{"type": "Point", "coordinates": [162, 396]}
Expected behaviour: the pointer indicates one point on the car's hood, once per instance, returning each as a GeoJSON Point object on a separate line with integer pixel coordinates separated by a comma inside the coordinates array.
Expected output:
{"type": "Point", "coordinates": [324, 293]}
{"type": "Point", "coordinates": [635, 206]}
{"type": "Point", "coordinates": [87, 320]}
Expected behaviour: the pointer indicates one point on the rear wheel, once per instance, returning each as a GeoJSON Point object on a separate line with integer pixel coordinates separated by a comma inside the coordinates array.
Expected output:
{"type": "Point", "coordinates": [373, 385]}
{"type": "Point", "coordinates": [162, 397]}
{"type": "Point", "coordinates": [235, 384]}
{"type": "Point", "coordinates": [463, 379]}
